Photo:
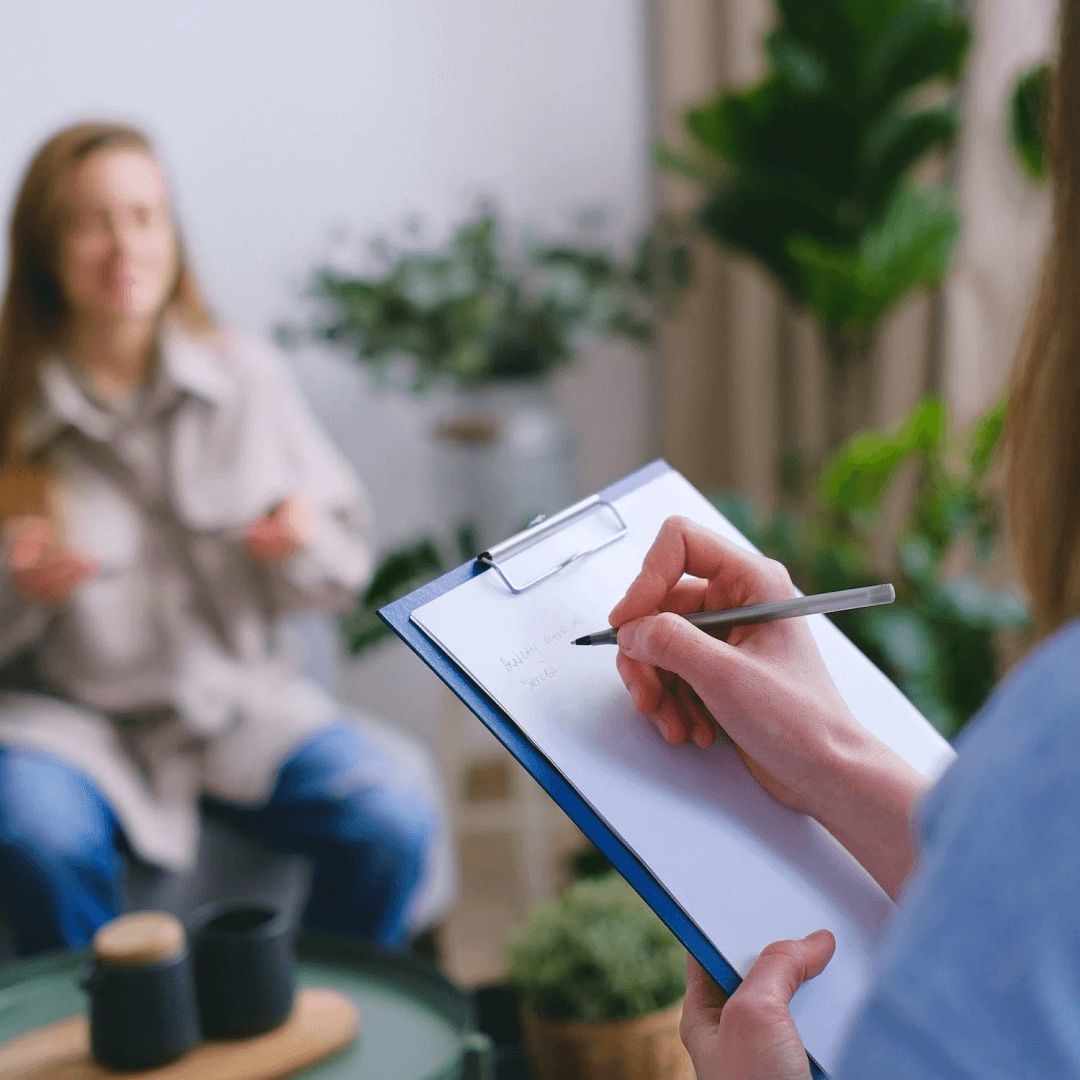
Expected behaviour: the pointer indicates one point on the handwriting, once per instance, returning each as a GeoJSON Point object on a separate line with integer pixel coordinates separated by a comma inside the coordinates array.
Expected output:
{"type": "Point", "coordinates": [520, 657]}
{"type": "Point", "coordinates": [564, 630]}
{"type": "Point", "coordinates": [534, 682]}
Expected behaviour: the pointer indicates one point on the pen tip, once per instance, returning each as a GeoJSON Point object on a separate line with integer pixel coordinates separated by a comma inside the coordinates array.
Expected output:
{"type": "Point", "coordinates": [580, 641]}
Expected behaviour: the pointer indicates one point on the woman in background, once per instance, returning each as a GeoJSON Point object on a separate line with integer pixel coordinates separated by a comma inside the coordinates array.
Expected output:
{"type": "Point", "coordinates": [980, 973]}
{"type": "Point", "coordinates": [166, 501]}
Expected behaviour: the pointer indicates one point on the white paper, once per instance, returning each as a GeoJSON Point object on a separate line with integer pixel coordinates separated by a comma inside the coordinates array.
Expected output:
{"type": "Point", "coordinates": [744, 869]}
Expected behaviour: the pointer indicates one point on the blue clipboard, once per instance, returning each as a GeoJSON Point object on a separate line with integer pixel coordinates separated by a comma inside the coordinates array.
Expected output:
{"type": "Point", "coordinates": [397, 616]}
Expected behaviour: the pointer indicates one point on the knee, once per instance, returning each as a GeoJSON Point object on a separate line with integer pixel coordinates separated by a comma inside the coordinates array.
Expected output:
{"type": "Point", "coordinates": [43, 827]}
{"type": "Point", "coordinates": [396, 827]}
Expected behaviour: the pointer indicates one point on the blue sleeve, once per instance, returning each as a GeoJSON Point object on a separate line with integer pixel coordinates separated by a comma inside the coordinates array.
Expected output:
{"type": "Point", "coordinates": [980, 974]}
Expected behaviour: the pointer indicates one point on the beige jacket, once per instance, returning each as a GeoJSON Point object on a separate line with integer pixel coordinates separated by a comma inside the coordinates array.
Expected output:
{"type": "Point", "coordinates": [166, 675]}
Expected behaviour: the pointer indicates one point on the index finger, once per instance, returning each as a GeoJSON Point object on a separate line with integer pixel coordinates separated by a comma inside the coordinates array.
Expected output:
{"type": "Point", "coordinates": [682, 546]}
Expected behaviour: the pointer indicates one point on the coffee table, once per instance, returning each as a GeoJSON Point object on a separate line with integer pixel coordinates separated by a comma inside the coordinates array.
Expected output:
{"type": "Point", "coordinates": [416, 1025]}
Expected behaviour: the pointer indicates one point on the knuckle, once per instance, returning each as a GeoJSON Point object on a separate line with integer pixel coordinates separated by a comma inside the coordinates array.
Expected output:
{"type": "Point", "coordinates": [659, 634]}
{"type": "Point", "coordinates": [785, 950]}
{"type": "Point", "coordinates": [742, 1009]}
{"type": "Point", "coordinates": [778, 578]}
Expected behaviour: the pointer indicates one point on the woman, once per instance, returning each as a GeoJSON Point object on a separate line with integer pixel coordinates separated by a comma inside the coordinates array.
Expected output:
{"type": "Point", "coordinates": [166, 501]}
{"type": "Point", "coordinates": [980, 974]}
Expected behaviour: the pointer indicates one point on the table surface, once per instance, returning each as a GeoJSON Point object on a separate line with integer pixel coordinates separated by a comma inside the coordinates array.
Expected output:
{"type": "Point", "coordinates": [414, 1023]}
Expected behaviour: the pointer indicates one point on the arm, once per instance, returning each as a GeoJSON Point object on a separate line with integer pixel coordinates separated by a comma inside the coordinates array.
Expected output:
{"type": "Point", "coordinates": [768, 688]}
{"type": "Point", "coordinates": [328, 546]}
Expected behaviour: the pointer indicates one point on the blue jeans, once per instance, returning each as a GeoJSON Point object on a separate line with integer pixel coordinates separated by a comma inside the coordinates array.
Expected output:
{"type": "Point", "coordinates": [334, 800]}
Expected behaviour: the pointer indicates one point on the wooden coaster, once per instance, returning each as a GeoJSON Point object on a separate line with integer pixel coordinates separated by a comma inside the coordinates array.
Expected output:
{"type": "Point", "coordinates": [322, 1023]}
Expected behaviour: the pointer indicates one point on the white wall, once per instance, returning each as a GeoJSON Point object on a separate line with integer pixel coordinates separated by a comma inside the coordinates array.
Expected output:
{"type": "Point", "coordinates": [282, 120]}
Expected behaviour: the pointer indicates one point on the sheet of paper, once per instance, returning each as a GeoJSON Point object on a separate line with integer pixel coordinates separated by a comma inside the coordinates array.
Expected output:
{"type": "Point", "coordinates": [744, 869]}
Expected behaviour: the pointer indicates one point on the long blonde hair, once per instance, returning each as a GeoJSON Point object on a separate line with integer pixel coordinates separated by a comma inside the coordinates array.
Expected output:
{"type": "Point", "coordinates": [33, 314]}
{"type": "Point", "coordinates": [1042, 435]}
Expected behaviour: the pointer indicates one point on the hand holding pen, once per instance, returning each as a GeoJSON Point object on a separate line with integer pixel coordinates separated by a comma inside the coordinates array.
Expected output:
{"type": "Point", "coordinates": [766, 686]}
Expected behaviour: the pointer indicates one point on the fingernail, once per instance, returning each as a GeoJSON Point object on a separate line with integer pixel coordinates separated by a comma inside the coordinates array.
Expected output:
{"type": "Point", "coordinates": [628, 637]}
{"type": "Point", "coordinates": [665, 729]}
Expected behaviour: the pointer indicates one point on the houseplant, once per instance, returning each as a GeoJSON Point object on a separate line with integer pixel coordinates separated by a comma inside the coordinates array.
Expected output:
{"type": "Point", "coordinates": [601, 980]}
{"type": "Point", "coordinates": [812, 172]}
{"type": "Point", "coordinates": [940, 641]}
{"type": "Point", "coordinates": [490, 317]}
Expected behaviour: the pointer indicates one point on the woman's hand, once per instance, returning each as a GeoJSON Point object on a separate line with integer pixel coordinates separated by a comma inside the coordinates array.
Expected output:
{"type": "Point", "coordinates": [41, 568]}
{"type": "Point", "coordinates": [767, 687]}
{"type": "Point", "coordinates": [284, 532]}
{"type": "Point", "coordinates": [751, 1035]}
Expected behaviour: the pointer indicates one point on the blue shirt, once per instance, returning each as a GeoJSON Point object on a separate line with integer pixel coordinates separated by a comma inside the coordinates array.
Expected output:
{"type": "Point", "coordinates": [979, 976]}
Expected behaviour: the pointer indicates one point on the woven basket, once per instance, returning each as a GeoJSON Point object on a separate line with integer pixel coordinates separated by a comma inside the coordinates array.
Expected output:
{"type": "Point", "coordinates": [645, 1048]}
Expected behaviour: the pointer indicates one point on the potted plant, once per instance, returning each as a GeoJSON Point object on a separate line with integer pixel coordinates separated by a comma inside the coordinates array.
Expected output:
{"type": "Point", "coordinates": [491, 318]}
{"type": "Point", "coordinates": [601, 981]}
{"type": "Point", "coordinates": [939, 642]}
{"type": "Point", "coordinates": [814, 173]}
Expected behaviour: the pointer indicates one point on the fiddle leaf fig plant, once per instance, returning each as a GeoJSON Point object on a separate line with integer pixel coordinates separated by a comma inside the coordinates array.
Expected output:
{"type": "Point", "coordinates": [813, 170]}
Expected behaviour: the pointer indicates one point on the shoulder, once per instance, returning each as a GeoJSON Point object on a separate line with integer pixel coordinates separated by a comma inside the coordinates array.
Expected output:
{"type": "Point", "coordinates": [252, 355]}
{"type": "Point", "coordinates": [981, 967]}
{"type": "Point", "coordinates": [1032, 718]}
{"type": "Point", "coordinates": [228, 363]}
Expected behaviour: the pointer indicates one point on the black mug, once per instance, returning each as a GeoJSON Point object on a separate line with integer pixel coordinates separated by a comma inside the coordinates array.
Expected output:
{"type": "Point", "coordinates": [142, 994]}
{"type": "Point", "coordinates": [243, 959]}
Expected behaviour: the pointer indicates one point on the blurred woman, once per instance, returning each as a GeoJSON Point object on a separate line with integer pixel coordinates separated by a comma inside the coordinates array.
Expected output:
{"type": "Point", "coordinates": [166, 500]}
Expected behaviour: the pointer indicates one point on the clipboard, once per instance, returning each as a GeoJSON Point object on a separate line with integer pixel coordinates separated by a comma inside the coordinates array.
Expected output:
{"type": "Point", "coordinates": [397, 616]}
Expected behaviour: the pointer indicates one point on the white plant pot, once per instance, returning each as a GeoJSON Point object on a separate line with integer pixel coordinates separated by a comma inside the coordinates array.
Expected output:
{"type": "Point", "coordinates": [503, 454]}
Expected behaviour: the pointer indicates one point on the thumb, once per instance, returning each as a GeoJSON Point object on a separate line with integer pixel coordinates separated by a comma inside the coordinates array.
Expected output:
{"type": "Point", "coordinates": [785, 965]}
{"type": "Point", "coordinates": [670, 642]}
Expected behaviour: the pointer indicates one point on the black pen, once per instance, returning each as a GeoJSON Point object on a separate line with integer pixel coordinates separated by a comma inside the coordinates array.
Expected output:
{"type": "Point", "coordinates": [819, 604]}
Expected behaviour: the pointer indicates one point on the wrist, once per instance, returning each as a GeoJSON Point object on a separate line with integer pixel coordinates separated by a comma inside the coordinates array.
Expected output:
{"type": "Point", "coordinates": [869, 804]}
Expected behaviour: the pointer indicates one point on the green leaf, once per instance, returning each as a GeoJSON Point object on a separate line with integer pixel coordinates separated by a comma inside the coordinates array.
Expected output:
{"type": "Point", "coordinates": [899, 141]}
{"type": "Point", "coordinates": [758, 220]}
{"type": "Point", "coordinates": [985, 438]}
{"type": "Point", "coordinates": [910, 248]}
{"type": "Point", "coordinates": [857, 476]}
{"type": "Point", "coordinates": [1028, 114]}
{"type": "Point", "coordinates": [828, 29]}
{"type": "Point", "coordinates": [796, 64]}
{"type": "Point", "coordinates": [927, 41]}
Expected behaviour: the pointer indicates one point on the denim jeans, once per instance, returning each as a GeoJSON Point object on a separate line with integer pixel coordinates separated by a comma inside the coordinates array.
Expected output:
{"type": "Point", "coordinates": [334, 800]}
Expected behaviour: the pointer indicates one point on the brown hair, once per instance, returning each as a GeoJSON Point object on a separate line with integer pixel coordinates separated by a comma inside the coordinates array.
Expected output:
{"type": "Point", "coordinates": [33, 313]}
{"type": "Point", "coordinates": [1042, 434]}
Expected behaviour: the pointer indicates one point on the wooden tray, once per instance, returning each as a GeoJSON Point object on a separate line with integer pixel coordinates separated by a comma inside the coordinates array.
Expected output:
{"type": "Point", "coordinates": [323, 1022]}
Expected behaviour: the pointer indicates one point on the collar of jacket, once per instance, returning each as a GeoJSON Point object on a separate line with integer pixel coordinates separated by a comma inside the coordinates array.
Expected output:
{"type": "Point", "coordinates": [188, 366]}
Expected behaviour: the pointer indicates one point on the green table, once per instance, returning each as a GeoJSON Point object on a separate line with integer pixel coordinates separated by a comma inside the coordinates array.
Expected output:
{"type": "Point", "coordinates": [415, 1024]}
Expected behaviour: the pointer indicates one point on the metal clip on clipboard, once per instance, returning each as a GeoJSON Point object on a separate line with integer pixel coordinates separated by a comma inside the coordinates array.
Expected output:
{"type": "Point", "coordinates": [498, 556]}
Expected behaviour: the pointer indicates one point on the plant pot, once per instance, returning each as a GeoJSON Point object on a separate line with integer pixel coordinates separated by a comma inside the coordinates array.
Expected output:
{"type": "Point", "coordinates": [644, 1048]}
{"type": "Point", "coordinates": [504, 454]}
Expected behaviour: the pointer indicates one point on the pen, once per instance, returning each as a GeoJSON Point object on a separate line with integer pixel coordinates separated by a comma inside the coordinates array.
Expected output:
{"type": "Point", "coordinates": [818, 604]}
